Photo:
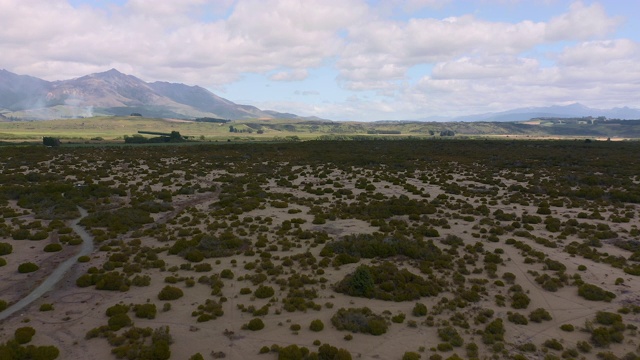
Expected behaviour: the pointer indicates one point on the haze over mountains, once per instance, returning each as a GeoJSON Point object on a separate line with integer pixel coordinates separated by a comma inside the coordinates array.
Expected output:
{"type": "Point", "coordinates": [114, 93]}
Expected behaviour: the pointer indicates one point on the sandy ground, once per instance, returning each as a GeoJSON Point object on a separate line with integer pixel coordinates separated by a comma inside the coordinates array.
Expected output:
{"type": "Point", "coordinates": [77, 310]}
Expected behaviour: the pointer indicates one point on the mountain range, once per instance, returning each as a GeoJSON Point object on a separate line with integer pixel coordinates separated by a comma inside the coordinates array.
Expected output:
{"type": "Point", "coordinates": [114, 93]}
{"type": "Point", "coordinates": [575, 110]}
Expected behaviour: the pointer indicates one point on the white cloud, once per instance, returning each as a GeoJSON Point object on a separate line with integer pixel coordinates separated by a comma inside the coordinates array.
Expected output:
{"type": "Point", "coordinates": [600, 52]}
{"type": "Point", "coordinates": [474, 64]}
{"type": "Point", "coordinates": [484, 67]}
{"type": "Point", "coordinates": [581, 23]}
{"type": "Point", "coordinates": [294, 75]}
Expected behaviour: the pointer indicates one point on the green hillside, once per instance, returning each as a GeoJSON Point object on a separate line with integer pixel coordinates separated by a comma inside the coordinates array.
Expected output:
{"type": "Point", "coordinates": [115, 128]}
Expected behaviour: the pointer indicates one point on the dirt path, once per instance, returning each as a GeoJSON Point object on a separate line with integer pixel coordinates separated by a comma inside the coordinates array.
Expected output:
{"type": "Point", "coordinates": [58, 273]}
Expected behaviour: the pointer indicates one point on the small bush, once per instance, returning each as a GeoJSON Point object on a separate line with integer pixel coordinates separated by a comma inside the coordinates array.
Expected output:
{"type": "Point", "coordinates": [5, 248]}
{"type": "Point", "coordinates": [52, 248]}
{"type": "Point", "coordinates": [607, 318]}
{"type": "Point", "coordinates": [410, 355]}
{"type": "Point", "coordinates": [539, 315]}
{"type": "Point", "coordinates": [170, 293]}
{"type": "Point", "coordinates": [46, 307]}
{"type": "Point", "coordinates": [316, 325]}
{"type": "Point", "coordinates": [518, 319]}
{"type": "Point", "coordinates": [3, 262]}
{"type": "Point", "coordinates": [83, 259]}
{"type": "Point", "coordinates": [359, 320]}
{"type": "Point", "coordinates": [118, 321]}
{"type": "Point", "coordinates": [567, 327]}
{"type": "Point", "coordinates": [24, 335]}
{"type": "Point", "coordinates": [255, 325]}
{"type": "Point", "coordinates": [27, 267]}
{"type": "Point", "coordinates": [419, 309]}
{"type": "Point", "coordinates": [520, 300]}
{"type": "Point", "coordinates": [263, 292]}
{"type": "Point", "coordinates": [595, 293]}
{"type": "Point", "coordinates": [226, 274]}
{"type": "Point", "coordinates": [145, 311]}
{"type": "Point", "coordinates": [553, 344]}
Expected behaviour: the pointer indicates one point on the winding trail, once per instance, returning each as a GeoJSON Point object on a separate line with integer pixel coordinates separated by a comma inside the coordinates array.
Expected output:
{"type": "Point", "coordinates": [58, 273]}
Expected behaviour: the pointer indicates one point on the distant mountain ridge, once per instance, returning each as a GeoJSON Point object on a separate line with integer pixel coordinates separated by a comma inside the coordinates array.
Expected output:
{"type": "Point", "coordinates": [114, 93]}
{"type": "Point", "coordinates": [575, 110]}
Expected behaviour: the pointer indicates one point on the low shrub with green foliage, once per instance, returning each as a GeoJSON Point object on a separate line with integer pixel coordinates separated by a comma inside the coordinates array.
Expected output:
{"type": "Point", "coordinates": [53, 247]}
{"type": "Point", "coordinates": [517, 319]}
{"type": "Point", "coordinates": [553, 344]}
{"type": "Point", "coordinates": [451, 336]}
{"type": "Point", "coordinates": [520, 300]}
{"type": "Point", "coordinates": [145, 311]}
{"type": "Point", "coordinates": [370, 246]}
{"type": "Point", "coordinates": [359, 320]}
{"type": "Point", "coordinates": [263, 292]}
{"type": "Point", "coordinates": [608, 318]}
{"type": "Point", "coordinates": [46, 307]}
{"type": "Point", "coordinates": [316, 325]}
{"type": "Point", "coordinates": [567, 327]}
{"type": "Point", "coordinates": [410, 355]}
{"type": "Point", "coordinates": [27, 267]}
{"type": "Point", "coordinates": [5, 248]}
{"type": "Point", "coordinates": [254, 325]}
{"type": "Point", "coordinates": [118, 321]}
{"type": "Point", "coordinates": [493, 332]}
{"type": "Point", "coordinates": [387, 282]}
{"type": "Point", "coordinates": [170, 293]}
{"type": "Point", "coordinates": [419, 309]}
{"type": "Point", "coordinates": [24, 335]}
{"type": "Point", "coordinates": [595, 293]}
{"type": "Point", "coordinates": [539, 315]}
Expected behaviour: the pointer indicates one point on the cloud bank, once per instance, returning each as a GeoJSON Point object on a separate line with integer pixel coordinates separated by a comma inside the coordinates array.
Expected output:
{"type": "Point", "coordinates": [391, 59]}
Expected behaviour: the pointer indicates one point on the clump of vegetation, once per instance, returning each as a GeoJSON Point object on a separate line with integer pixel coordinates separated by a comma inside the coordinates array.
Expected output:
{"type": "Point", "coordinates": [377, 245]}
{"type": "Point", "coordinates": [145, 311]}
{"type": "Point", "coordinates": [170, 293]}
{"type": "Point", "coordinates": [5, 248]}
{"type": "Point", "coordinates": [595, 293]}
{"type": "Point", "coordinates": [14, 349]}
{"type": "Point", "coordinates": [254, 325]}
{"type": "Point", "coordinates": [46, 307]}
{"type": "Point", "coordinates": [53, 248]}
{"type": "Point", "coordinates": [419, 309]}
{"type": "Point", "coordinates": [539, 315]}
{"type": "Point", "coordinates": [361, 320]}
{"type": "Point", "coordinates": [387, 282]}
{"type": "Point", "coordinates": [27, 267]}
{"type": "Point", "coordinates": [316, 325]}
{"type": "Point", "coordinates": [24, 335]}
{"type": "Point", "coordinates": [210, 310]}
{"type": "Point", "coordinates": [263, 292]}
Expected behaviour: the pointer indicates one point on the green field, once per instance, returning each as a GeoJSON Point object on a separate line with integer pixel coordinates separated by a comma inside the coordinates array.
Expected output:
{"type": "Point", "coordinates": [114, 129]}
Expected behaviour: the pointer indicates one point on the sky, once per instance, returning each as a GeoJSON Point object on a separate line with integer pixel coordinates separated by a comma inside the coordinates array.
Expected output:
{"type": "Point", "coordinates": [343, 59]}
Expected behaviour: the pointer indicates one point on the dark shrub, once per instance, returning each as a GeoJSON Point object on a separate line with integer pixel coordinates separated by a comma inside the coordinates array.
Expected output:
{"type": "Point", "coordinates": [24, 335]}
{"type": "Point", "coordinates": [263, 292]}
{"type": "Point", "coordinates": [255, 325]}
{"type": "Point", "coordinates": [27, 267]}
{"type": "Point", "coordinates": [170, 293]}
{"type": "Point", "coordinates": [316, 325]}
{"type": "Point", "coordinates": [52, 248]}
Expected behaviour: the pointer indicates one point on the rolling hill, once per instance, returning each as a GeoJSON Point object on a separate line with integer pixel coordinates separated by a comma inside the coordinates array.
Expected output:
{"type": "Point", "coordinates": [114, 93]}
